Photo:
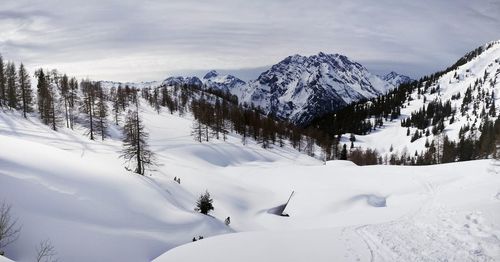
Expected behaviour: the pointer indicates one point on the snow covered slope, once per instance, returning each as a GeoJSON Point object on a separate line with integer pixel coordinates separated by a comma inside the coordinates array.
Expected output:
{"type": "Point", "coordinates": [76, 193]}
{"type": "Point", "coordinates": [343, 212]}
{"type": "Point", "coordinates": [4, 259]}
{"type": "Point", "coordinates": [481, 76]}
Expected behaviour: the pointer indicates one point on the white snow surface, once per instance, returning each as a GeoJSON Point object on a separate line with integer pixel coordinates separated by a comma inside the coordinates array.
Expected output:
{"type": "Point", "coordinates": [76, 192]}
{"type": "Point", "coordinates": [4, 259]}
{"type": "Point", "coordinates": [428, 214]}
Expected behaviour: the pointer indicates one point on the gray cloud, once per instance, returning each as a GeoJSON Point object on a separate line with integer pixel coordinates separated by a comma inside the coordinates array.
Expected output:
{"type": "Point", "coordinates": [144, 40]}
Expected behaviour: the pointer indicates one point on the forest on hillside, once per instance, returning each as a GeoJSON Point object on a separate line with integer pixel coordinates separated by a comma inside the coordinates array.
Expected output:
{"type": "Point", "coordinates": [61, 101]}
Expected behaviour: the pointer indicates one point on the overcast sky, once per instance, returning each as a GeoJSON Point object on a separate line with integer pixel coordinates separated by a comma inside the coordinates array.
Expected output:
{"type": "Point", "coordinates": [149, 40]}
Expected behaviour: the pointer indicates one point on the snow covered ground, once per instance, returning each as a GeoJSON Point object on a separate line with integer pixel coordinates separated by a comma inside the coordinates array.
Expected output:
{"type": "Point", "coordinates": [75, 192]}
{"type": "Point", "coordinates": [4, 259]}
{"type": "Point", "coordinates": [347, 213]}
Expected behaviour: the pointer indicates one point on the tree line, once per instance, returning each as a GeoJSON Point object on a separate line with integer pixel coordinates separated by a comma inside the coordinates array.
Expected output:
{"type": "Point", "coordinates": [15, 87]}
{"type": "Point", "coordinates": [61, 100]}
{"type": "Point", "coordinates": [217, 113]}
{"type": "Point", "coordinates": [64, 101]}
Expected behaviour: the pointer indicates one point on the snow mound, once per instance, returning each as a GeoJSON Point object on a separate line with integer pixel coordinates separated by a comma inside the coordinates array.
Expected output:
{"type": "Point", "coordinates": [372, 200]}
{"type": "Point", "coordinates": [290, 246]}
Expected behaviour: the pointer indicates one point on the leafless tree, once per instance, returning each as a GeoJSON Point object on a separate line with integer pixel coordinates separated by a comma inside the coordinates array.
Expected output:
{"type": "Point", "coordinates": [9, 231]}
{"type": "Point", "coordinates": [46, 252]}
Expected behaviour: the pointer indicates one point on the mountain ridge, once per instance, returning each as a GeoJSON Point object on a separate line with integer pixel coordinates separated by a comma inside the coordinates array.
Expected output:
{"type": "Point", "coordinates": [299, 88]}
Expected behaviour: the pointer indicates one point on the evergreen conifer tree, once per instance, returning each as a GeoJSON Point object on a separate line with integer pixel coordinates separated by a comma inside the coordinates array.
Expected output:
{"type": "Point", "coordinates": [25, 90]}
{"type": "Point", "coordinates": [101, 112]}
{"type": "Point", "coordinates": [3, 96]}
{"type": "Point", "coordinates": [12, 93]}
{"type": "Point", "coordinates": [205, 203]}
{"type": "Point", "coordinates": [46, 100]}
{"type": "Point", "coordinates": [88, 106]}
{"type": "Point", "coordinates": [135, 147]}
{"type": "Point", "coordinates": [343, 153]}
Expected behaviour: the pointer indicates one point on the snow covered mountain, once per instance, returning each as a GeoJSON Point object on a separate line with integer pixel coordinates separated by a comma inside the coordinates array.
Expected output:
{"type": "Point", "coordinates": [297, 89]}
{"type": "Point", "coordinates": [396, 79]}
{"type": "Point", "coordinates": [300, 88]}
{"type": "Point", "coordinates": [181, 80]}
{"type": "Point", "coordinates": [226, 83]}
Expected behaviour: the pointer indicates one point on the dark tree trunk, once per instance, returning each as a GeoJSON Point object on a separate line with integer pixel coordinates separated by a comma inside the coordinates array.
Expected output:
{"type": "Point", "coordinates": [53, 115]}
{"type": "Point", "coordinates": [91, 119]}
{"type": "Point", "coordinates": [140, 170]}
{"type": "Point", "coordinates": [25, 107]}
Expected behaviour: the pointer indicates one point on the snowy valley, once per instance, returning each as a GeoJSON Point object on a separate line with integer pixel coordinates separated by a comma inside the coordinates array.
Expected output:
{"type": "Point", "coordinates": [76, 192]}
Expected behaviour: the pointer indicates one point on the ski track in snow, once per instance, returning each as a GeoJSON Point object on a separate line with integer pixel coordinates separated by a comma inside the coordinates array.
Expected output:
{"type": "Point", "coordinates": [414, 238]}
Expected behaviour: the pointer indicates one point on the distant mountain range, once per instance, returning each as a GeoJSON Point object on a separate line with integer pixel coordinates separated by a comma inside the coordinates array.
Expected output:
{"type": "Point", "coordinates": [299, 88]}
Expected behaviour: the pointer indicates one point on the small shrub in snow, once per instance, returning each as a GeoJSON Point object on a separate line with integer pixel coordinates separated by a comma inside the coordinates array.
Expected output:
{"type": "Point", "coordinates": [204, 204]}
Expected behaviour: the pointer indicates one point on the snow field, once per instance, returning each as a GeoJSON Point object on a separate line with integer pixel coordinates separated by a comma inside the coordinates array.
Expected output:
{"type": "Point", "coordinates": [75, 192]}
